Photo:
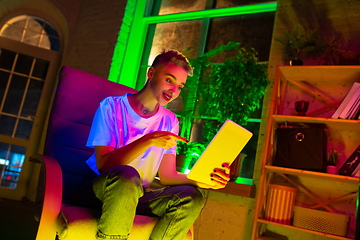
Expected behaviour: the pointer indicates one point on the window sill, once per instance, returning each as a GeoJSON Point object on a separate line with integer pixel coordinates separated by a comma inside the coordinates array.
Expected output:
{"type": "Point", "coordinates": [238, 189]}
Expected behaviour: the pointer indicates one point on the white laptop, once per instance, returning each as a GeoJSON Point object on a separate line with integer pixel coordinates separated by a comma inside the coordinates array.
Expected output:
{"type": "Point", "coordinates": [223, 148]}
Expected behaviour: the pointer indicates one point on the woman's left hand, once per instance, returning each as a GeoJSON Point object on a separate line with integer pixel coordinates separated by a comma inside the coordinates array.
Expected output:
{"type": "Point", "coordinates": [220, 177]}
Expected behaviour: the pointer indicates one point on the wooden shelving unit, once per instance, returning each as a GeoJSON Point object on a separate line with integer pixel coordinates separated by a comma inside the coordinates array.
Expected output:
{"type": "Point", "coordinates": [328, 85]}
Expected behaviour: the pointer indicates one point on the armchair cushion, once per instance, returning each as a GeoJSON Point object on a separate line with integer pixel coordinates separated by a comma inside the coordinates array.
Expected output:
{"type": "Point", "coordinates": [81, 223]}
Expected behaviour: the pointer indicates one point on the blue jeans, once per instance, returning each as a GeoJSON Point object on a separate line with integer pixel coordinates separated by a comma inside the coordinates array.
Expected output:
{"type": "Point", "coordinates": [120, 195]}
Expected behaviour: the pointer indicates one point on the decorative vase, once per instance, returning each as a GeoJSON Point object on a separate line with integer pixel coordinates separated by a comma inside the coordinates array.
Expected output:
{"type": "Point", "coordinates": [331, 169]}
{"type": "Point", "coordinates": [301, 107]}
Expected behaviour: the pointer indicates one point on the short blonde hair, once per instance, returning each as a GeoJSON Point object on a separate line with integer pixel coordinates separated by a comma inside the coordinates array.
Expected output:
{"type": "Point", "coordinates": [174, 57]}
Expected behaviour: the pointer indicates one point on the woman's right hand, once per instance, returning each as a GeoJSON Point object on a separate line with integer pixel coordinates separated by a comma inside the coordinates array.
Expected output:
{"type": "Point", "coordinates": [164, 139]}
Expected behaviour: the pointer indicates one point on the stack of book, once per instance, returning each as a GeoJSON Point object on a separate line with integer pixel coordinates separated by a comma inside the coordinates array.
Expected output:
{"type": "Point", "coordinates": [349, 108]}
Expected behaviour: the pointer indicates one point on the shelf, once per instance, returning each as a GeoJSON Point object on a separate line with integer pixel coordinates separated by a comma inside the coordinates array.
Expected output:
{"type": "Point", "coordinates": [320, 73]}
{"type": "Point", "coordinates": [303, 229]}
{"type": "Point", "coordinates": [330, 123]}
{"type": "Point", "coordinates": [324, 176]}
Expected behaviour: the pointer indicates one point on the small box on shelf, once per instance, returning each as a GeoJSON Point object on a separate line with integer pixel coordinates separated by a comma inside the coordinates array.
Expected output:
{"type": "Point", "coordinates": [351, 166]}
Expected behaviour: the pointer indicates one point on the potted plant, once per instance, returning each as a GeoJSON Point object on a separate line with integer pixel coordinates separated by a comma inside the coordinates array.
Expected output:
{"type": "Point", "coordinates": [190, 94]}
{"type": "Point", "coordinates": [187, 155]}
{"type": "Point", "coordinates": [335, 55]}
{"type": "Point", "coordinates": [300, 44]}
{"type": "Point", "coordinates": [332, 161]}
{"type": "Point", "coordinates": [235, 90]}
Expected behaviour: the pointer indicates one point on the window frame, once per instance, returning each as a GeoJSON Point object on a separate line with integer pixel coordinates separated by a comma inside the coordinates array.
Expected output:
{"type": "Point", "coordinates": [138, 27]}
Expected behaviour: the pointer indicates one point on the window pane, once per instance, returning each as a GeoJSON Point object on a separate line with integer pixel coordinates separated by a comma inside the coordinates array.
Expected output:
{"type": "Point", "coordinates": [178, 6]}
{"type": "Point", "coordinates": [252, 31]}
{"type": "Point", "coordinates": [23, 64]}
{"type": "Point", "coordinates": [51, 31]}
{"type": "Point", "coordinates": [35, 25]}
{"type": "Point", "coordinates": [6, 59]}
{"type": "Point", "coordinates": [175, 35]}
{"type": "Point", "coordinates": [178, 36]}
{"type": "Point", "coordinates": [23, 129]}
{"type": "Point", "coordinates": [247, 166]}
{"type": "Point", "coordinates": [45, 43]}
{"type": "Point", "coordinates": [40, 68]}
{"type": "Point", "coordinates": [32, 38]}
{"type": "Point", "coordinates": [3, 152]}
{"type": "Point", "coordinates": [7, 125]}
{"type": "Point", "coordinates": [52, 38]}
{"type": "Point", "coordinates": [10, 177]}
{"type": "Point", "coordinates": [16, 160]}
{"type": "Point", "coordinates": [12, 32]}
{"type": "Point", "coordinates": [236, 3]}
{"type": "Point", "coordinates": [54, 43]}
{"type": "Point", "coordinates": [15, 94]}
{"type": "Point", "coordinates": [18, 22]}
{"type": "Point", "coordinates": [4, 79]}
{"type": "Point", "coordinates": [17, 155]}
{"type": "Point", "coordinates": [32, 98]}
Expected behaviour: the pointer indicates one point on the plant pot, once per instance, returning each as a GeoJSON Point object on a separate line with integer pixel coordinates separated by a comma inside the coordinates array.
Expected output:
{"type": "Point", "coordinates": [235, 167]}
{"type": "Point", "coordinates": [296, 62]}
{"type": "Point", "coordinates": [180, 162]}
{"type": "Point", "coordinates": [331, 169]}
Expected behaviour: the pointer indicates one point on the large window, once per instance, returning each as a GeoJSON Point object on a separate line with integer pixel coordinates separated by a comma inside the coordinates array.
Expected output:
{"type": "Point", "coordinates": [29, 45]}
{"type": "Point", "coordinates": [195, 26]}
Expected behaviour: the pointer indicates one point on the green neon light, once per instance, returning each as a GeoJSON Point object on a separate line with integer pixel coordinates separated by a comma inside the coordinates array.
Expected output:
{"type": "Point", "coordinates": [120, 48]}
{"type": "Point", "coordinates": [219, 12]}
{"type": "Point", "coordinates": [129, 48]}
{"type": "Point", "coordinates": [246, 181]}
{"type": "Point", "coordinates": [129, 57]}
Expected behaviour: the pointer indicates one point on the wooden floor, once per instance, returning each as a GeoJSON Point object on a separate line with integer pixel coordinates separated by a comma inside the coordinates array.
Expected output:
{"type": "Point", "coordinates": [17, 220]}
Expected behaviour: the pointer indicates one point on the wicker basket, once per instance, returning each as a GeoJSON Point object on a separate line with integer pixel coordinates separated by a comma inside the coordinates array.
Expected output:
{"type": "Point", "coordinates": [320, 221]}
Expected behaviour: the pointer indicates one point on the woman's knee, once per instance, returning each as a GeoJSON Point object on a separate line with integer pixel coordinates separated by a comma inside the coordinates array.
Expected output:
{"type": "Point", "coordinates": [198, 198]}
{"type": "Point", "coordinates": [124, 173]}
{"type": "Point", "coordinates": [193, 193]}
{"type": "Point", "coordinates": [124, 177]}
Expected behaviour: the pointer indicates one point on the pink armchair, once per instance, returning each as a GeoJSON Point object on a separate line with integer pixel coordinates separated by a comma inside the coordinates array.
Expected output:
{"type": "Point", "coordinates": [63, 162]}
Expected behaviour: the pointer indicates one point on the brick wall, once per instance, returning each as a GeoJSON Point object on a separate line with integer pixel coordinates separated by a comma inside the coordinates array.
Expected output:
{"type": "Point", "coordinates": [96, 35]}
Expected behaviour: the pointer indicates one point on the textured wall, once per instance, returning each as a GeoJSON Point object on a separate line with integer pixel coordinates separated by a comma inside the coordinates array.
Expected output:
{"type": "Point", "coordinates": [96, 35]}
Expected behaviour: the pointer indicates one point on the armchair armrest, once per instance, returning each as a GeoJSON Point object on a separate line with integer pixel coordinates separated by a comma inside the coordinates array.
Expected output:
{"type": "Point", "coordinates": [49, 196]}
